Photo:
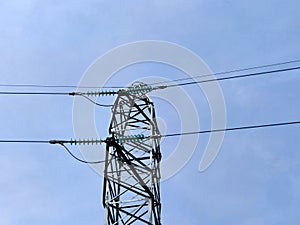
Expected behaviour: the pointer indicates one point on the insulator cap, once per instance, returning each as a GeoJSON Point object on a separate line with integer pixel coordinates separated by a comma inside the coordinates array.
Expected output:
{"type": "Point", "coordinates": [130, 138]}
{"type": "Point", "coordinates": [139, 89]}
{"type": "Point", "coordinates": [86, 141]}
{"type": "Point", "coordinates": [100, 93]}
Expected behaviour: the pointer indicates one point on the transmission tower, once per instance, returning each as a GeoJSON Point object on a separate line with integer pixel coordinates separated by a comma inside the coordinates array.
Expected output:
{"type": "Point", "coordinates": [131, 187]}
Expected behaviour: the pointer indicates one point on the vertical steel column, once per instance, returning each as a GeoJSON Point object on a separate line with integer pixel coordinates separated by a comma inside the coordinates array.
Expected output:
{"type": "Point", "coordinates": [131, 188]}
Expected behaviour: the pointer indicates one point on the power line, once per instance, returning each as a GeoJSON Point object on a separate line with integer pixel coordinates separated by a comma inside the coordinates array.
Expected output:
{"type": "Point", "coordinates": [56, 94]}
{"type": "Point", "coordinates": [94, 102]}
{"type": "Point", "coordinates": [63, 142]}
{"type": "Point", "coordinates": [230, 71]}
{"type": "Point", "coordinates": [236, 77]}
{"type": "Point", "coordinates": [233, 129]}
{"type": "Point", "coordinates": [25, 141]}
{"type": "Point", "coordinates": [32, 93]}
{"type": "Point", "coordinates": [53, 86]}
{"type": "Point", "coordinates": [78, 159]}
{"type": "Point", "coordinates": [173, 85]}
{"type": "Point", "coordinates": [166, 135]}
{"type": "Point", "coordinates": [163, 82]}
{"type": "Point", "coordinates": [52, 142]}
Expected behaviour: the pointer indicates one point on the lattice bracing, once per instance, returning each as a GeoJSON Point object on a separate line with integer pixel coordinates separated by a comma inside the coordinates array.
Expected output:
{"type": "Point", "coordinates": [131, 192]}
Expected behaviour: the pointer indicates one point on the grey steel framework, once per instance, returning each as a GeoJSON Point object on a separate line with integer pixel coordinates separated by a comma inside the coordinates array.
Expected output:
{"type": "Point", "coordinates": [131, 188]}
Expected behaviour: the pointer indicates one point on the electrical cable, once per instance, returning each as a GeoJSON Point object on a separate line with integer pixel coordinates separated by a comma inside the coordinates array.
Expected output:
{"type": "Point", "coordinates": [173, 134]}
{"type": "Point", "coordinates": [236, 77]}
{"type": "Point", "coordinates": [230, 71]}
{"type": "Point", "coordinates": [96, 103]}
{"type": "Point", "coordinates": [174, 80]}
{"type": "Point", "coordinates": [173, 85]}
{"type": "Point", "coordinates": [53, 86]}
{"type": "Point", "coordinates": [78, 159]}
{"type": "Point", "coordinates": [232, 129]}
{"type": "Point", "coordinates": [47, 142]}
{"type": "Point", "coordinates": [32, 93]}
{"type": "Point", "coordinates": [25, 141]}
{"type": "Point", "coordinates": [62, 143]}
{"type": "Point", "coordinates": [55, 93]}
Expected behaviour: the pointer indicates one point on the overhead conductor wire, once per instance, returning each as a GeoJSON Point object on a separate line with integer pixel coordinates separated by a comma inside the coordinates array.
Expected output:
{"type": "Point", "coordinates": [62, 143]}
{"type": "Point", "coordinates": [163, 82]}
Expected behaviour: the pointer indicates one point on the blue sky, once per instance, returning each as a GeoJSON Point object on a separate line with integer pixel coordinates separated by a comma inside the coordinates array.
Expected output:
{"type": "Point", "coordinates": [254, 180]}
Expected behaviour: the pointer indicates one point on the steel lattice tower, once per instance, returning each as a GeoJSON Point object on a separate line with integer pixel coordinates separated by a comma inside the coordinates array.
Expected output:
{"type": "Point", "coordinates": [131, 187]}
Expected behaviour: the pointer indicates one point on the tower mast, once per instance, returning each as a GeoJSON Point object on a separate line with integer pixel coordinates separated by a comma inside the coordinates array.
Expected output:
{"type": "Point", "coordinates": [131, 187]}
